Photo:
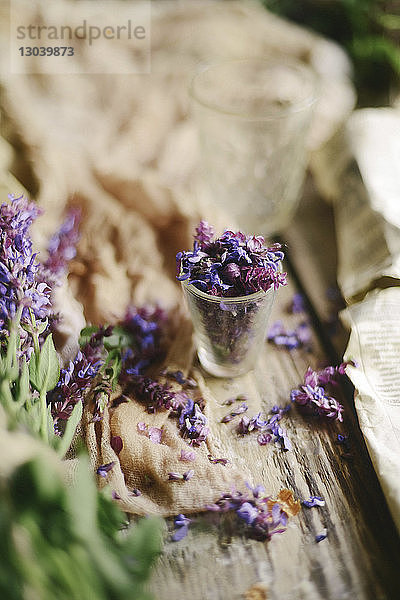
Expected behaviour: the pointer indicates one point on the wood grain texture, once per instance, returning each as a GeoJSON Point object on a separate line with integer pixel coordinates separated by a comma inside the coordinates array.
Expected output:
{"type": "Point", "coordinates": [360, 558]}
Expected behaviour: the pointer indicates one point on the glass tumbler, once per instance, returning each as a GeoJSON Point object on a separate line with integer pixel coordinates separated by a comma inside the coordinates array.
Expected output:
{"type": "Point", "coordinates": [229, 332]}
{"type": "Point", "coordinates": [252, 117]}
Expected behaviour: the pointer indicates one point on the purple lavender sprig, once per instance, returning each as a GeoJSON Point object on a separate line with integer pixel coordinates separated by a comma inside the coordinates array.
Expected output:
{"type": "Point", "coordinates": [261, 515]}
{"type": "Point", "coordinates": [299, 337]}
{"type": "Point", "coordinates": [232, 265]}
{"type": "Point", "coordinates": [77, 377]}
{"type": "Point", "coordinates": [192, 422]}
{"type": "Point", "coordinates": [312, 395]}
{"type": "Point", "coordinates": [148, 327]}
{"type": "Point", "coordinates": [21, 285]}
{"type": "Point", "coordinates": [62, 246]}
{"type": "Point", "coordinates": [268, 429]}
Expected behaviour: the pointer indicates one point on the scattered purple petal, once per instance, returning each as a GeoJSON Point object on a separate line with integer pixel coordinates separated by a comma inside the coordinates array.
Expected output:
{"type": "Point", "coordinates": [181, 527]}
{"type": "Point", "coordinates": [262, 516]}
{"type": "Point", "coordinates": [62, 246]}
{"type": "Point", "coordinates": [116, 443]}
{"type": "Point", "coordinates": [155, 434]}
{"type": "Point", "coordinates": [115, 495]}
{"type": "Point", "coordinates": [104, 469]}
{"type": "Point", "coordinates": [135, 492]}
{"type": "Point", "coordinates": [264, 438]}
{"type": "Point", "coordinates": [269, 429]}
{"type": "Point", "coordinates": [175, 476]}
{"type": "Point", "coordinates": [297, 304]}
{"type": "Point", "coordinates": [240, 410]}
{"type": "Point", "coordinates": [300, 337]}
{"type": "Point", "coordinates": [313, 501]}
{"type": "Point", "coordinates": [188, 475]}
{"type": "Point", "coordinates": [321, 536]}
{"type": "Point", "coordinates": [217, 461]}
{"type": "Point", "coordinates": [247, 512]}
{"type": "Point", "coordinates": [187, 455]}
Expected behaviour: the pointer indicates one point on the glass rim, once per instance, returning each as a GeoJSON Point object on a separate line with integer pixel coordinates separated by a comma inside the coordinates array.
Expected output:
{"type": "Point", "coordinates": [299, 106]}
{"type": "Point", "coordinates": [226, 300]}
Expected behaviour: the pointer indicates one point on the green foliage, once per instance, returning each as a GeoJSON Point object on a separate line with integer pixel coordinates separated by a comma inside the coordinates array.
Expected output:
{"type": "Point", "coordinates": [57, 541]}
{"type": "Point", "coordinates": [64, 542]}
{"type": "Point", "coordinates": [367, 29]}
{"type": "Point", "coordinates": [44, 368]}
{"type": "Point", "coordinates": [18, 379]}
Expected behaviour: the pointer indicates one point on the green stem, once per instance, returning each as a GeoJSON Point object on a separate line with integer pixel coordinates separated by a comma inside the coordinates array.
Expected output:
{"type": "Point", "coordinates": [11, 356]}
{"type": "Point", "coordinates": [44, 431]}
{"type": "Point", "coordinates": [7, 397]}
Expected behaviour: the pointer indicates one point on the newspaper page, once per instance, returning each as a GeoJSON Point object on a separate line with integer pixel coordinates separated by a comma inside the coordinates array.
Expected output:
{"type": "Point", "coordinates": [375, 346]}
{"type": "Point", "coordinates": [359, 172]}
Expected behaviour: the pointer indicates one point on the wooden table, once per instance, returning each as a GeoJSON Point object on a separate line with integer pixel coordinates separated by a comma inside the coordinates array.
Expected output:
{"type": "Point", "coordinates": [360, 558]}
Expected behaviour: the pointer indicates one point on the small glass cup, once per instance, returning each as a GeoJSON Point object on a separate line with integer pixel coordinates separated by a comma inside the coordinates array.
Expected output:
{"type": "Point", "coordinates": [253, 117]}
{"type": "Point", "coordinates": [229, 332]}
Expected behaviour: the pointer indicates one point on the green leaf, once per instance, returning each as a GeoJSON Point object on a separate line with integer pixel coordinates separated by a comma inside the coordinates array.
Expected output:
{"type": "Point", "coordinates": [82, 502]}
{"type": "Point", "coordinates": [86, 333]}
{"type": "Point", "coordinates": [23, 392]}
{"type": "Point", "coordinates": [118, 339]}
{"type": "Point", "coordinates": [112, 367]}
{"type": "Point", "coordinates": [44, 368]}
{"type": "Point", "coordinates": [144, 542]}
{"type": "Point", "coordinates": [70, 429]}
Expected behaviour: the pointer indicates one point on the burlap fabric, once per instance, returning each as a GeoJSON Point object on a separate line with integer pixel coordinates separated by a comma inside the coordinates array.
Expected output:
{"type": "Point", "coordinates": [124, 150]}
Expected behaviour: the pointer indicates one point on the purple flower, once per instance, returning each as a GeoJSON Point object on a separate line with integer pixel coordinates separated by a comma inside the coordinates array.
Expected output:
{"type": "Point", "coordinates": [268, 428]}
{"type": "Point", "coordinates": [263, 517]}
{"type": "Point", "coordinates": [104, 469]}
{"type": "Point", "coordinates": [238, 411]}
{"type": "Point", "coordinates": [192, 423]}
{"type": "Point", "coordinates": [148, 326]}
{"type": "Point", "coordinates": [247, 512]}
{"type": "Point", "coordinates": [217, 461]}
{"type": "Point", "coordinates": [181, 527]}
{"type": "Point", "coordinates": [313, 396]}
{"type": "Point", "coordinates": [297, 338]}
{"type": "Point", "coordinates": [154, 395]}
{"type": "Point", "coordinates": [62, 246]}
{"type": "Point", "coordinates": [232, 265]}
{"type": "Point", "coordinates": [239, 398]}
{"type": "Point", "coordinates": [187, 455]}
{"type": "Point", "coordinates": [21, 279]}
{"type": "Point", "coordinates": [257, 490]}
{"type": "Point", "coordinates": [204, 233]}
{"type": "Point", "coordinates": [188, 475]}
{"type": "Point", "coordinates": [331, 374]}
{"type": "Point", "coordinates": [297, 304]}
{"type": "Point", "coordinates": [314, 501]}
{"type": "Point", "coordinates": [172, 476]}
{"type": "Point", "coordinates": [321, 536]}
{"type": "Point", "coordinates": [155, 434]}
{"type": "Point", "coordinates": [264, 438]}
{"type": "Point", "coordinates": [76, 379]}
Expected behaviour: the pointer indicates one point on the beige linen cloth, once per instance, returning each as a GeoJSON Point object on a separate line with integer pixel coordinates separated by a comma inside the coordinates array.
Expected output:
{"type": "Point", "coordinates": [124, 149]}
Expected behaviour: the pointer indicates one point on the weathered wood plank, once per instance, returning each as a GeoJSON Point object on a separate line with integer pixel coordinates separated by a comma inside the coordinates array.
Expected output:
{"type": "Point", "coordinates": [359, 557]}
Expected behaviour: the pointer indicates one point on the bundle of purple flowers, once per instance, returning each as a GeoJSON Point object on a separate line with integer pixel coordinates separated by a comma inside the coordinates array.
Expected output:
{"type": "Point", "coordinates": [232, 265]}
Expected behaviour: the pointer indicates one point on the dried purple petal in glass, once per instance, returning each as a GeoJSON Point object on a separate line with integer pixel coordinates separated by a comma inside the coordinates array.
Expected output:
{"type": "Point", "coordinates": [229, 332]}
